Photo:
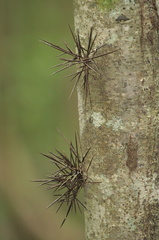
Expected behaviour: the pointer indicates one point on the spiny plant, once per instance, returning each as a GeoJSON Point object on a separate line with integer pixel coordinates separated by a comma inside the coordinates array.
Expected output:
{"type": "Point", "coordinates": [83, 57]}
{"type": "Point", "coordinates": [68, 179]}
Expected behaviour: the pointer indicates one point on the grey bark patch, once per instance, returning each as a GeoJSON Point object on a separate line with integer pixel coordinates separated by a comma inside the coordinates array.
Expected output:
{"type": "Point", "coordinates": [132, 157]}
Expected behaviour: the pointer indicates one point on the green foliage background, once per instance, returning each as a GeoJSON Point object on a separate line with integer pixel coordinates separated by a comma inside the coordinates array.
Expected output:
{"type": "Point", "coordinates": [33, 104]}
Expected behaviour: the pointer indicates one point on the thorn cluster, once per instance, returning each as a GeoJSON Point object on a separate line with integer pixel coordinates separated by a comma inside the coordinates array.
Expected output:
{"type": "Point", "coordinates": [68, 179]}
{"type": "Point", "coordinates": [83, 58]}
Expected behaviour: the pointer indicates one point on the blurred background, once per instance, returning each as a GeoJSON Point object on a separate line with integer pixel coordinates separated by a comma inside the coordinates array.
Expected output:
{"type": "Point", "coordinates": [32, 105]}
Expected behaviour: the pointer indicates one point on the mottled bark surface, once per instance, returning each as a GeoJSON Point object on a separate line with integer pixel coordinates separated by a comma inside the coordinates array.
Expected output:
{"type": "Point", "coordinates": [122, 126]}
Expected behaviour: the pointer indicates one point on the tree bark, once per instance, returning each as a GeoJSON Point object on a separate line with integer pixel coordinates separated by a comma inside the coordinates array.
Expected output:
{"type": "Point", "coordinates": [122, 124]}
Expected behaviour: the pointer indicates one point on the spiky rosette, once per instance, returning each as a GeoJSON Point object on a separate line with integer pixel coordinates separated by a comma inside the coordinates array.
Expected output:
{"type": "Point", "coordinates": [83, 58]}
{"type": "Point", "coordinates": [68, 179]}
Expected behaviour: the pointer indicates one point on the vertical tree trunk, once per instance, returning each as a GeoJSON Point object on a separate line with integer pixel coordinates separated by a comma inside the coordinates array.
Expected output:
{"type": "Point", "coordinates": [122, 125]}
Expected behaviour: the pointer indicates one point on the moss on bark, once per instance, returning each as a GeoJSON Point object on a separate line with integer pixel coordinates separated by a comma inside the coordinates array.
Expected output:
{"type": "Point", "coordinates": [107, 4]}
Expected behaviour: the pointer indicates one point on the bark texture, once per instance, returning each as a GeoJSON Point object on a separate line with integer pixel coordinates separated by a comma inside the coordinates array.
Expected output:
{"type": "Point", "coordinates": [122, 126]}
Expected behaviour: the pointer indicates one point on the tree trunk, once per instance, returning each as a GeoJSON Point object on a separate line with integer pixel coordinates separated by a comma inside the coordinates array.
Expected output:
{"type": "Point", "coordinates": [122, 123]}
